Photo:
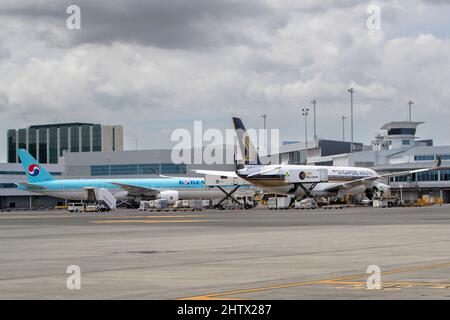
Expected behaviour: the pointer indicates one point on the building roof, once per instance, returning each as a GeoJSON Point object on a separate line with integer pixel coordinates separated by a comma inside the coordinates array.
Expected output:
{"type": "Point", "coordinates": [424, 150]}
{"type": "Point", "coordinates": [400, 125]}
{"type": "Point", "coordinates": [61, 125]}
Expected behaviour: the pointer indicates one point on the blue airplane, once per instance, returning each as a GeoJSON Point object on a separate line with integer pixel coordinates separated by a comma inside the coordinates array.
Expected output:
{"type": "Point", "coordinates": [169, 188]}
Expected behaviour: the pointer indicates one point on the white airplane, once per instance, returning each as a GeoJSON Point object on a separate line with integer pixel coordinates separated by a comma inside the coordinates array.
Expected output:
{"type": "Point", "coordinates": [304, 180]}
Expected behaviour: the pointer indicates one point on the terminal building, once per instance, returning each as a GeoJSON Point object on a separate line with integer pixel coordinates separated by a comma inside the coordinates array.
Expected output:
{"type": "Point", "coordinates": [394, 148]}
{"type": "Point", "coordinates": [397, 148]}
{"type": "Point", "coordinates": [298, 152]}
{"type": "Point", "coordinates": [13, 198]}
{"type": "Point", "coordinates": [48, 142]}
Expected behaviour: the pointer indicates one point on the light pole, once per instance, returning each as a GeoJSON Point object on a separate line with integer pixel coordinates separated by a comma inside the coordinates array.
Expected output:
{"type": "Point", "coordinates": [351, 90]}
{"type": "Point", "coordinates": [343, 127]}
{"type": "Point", "coordinates": [401, 193]}
{"type": "Point", "coordinates": [264, 116]}
{"type": "Point", "coordinates": [410, 103]}
{"type": "Point", "coordinates": [305, 112]}
{"type": "Point", "coordinates": [314, 102]}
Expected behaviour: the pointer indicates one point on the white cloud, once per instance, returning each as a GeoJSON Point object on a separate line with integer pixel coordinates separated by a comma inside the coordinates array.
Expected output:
{"type": "Point", "coordinates": [284, 58]}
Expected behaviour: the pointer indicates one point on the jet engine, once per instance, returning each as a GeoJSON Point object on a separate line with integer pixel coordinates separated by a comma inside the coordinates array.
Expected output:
{"type": "Point", "coordinates": [170, 195]}
{"type": "Point", "coordinates": [379, 190]}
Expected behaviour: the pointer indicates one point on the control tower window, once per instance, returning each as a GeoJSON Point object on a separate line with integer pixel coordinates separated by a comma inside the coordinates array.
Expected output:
{"type": "Point", "coordinates": [400, 131]}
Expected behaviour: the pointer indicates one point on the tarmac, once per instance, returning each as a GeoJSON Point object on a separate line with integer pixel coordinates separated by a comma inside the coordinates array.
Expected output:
{"type": "Point", "coordinates": [239, 254]}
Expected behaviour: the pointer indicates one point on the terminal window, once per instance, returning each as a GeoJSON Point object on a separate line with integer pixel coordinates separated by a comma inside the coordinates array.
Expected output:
{"type": "Point", "coordinates": [100, 171]}
{"type": "Point", "coordinates": [124, 169]}
{"type": "Point", "coordinates": [43, 145]}
{"type": "Point", "coordinates": [136, 169]}
{"type": "Point", "coordinates": [424, 158]}
{"type": "Point", "coordinates": [401, 131]}
{"type": "Point", "coordinates": [148, 168]}
{"type": "Point", "coordinates": [170, 168]}
{"type": "Point", "coordinates": [8, 185]}
{"type": "Point", "coordinates": [445, 175]}
{"type": "Point", "coordinates": [74, 139]}
{"type": "Point", "coordinates": [365, 164]}
{"type": "Point", "coordinates": [12, 146]}
{"type": "Point", "coordinates": [53, 144]}
{"type": "Point", "coordinates": [32, 143]}
{"type": "Point", "coordinates": [63, 140]}
{"type": "Point", "coordinates": [406, 178]}
{"type": "Point", "coordinates": [428, 176]}
{"type": "Point", "coordinates": [85, 138]}
{"type": "Point", "coordinates": [22, 139]}
{"type": "Point", "coordinates": [97, 138]}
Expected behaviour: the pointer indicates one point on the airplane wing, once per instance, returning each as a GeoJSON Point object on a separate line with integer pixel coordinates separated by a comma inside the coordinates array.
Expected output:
{"type": "Point", "coordinates": [224, 174]}
{"type": "Point", "coordinates": [31, 186]}
{"type": "Point", "coordinates": [263, 172]}
{"type": "Point", "coordinates": [136, 190]}
{"type": "Point", "coordinates": [356, 182]}
{"type": "Point", "coordinates": [163, 176]}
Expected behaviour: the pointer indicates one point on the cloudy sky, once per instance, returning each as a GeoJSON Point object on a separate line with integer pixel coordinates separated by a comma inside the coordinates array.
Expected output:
{"type": "Point", "coordinates": [158, 65]}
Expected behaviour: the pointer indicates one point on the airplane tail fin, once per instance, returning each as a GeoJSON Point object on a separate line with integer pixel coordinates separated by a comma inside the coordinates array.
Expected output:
{"type": "Point", "coordinates": [35, 172]}
{"type": "Point", "coordinates": [248, 151]}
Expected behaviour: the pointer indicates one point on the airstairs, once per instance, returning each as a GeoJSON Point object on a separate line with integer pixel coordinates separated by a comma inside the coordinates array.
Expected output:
{"type": "Point", "coordinates": [103, 197]}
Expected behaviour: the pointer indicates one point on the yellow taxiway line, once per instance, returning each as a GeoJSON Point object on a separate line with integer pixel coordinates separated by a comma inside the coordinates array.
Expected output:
{"type": "Point", "coordinates": [339, 280]}
{"type": "Point", "coordinates": [392, 283]}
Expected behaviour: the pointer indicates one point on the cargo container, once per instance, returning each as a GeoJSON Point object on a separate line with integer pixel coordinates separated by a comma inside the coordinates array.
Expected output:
{"type": "Point", "coordinates": [161, 204]}
{"type": "Point", "coordinates": [283, 202]}
{"type": "Point", "coordinates": [272, 203]}
{"type": "Point", "coordinates": [308, 203]}
{"type": "Point", "coordinates": [196, 204]}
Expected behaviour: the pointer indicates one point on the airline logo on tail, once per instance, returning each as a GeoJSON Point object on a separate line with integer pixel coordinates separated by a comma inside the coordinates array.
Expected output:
{"type": "Point", "coordinates": [33, 170]}
{"type": "Point", "coordinates": [248, 151]}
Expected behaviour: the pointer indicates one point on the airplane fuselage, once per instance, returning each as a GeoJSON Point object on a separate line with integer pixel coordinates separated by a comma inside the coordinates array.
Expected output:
{"type": "Point", "coordinates": [75, 189]}
{"type": "Point", "coordinates": [273, 178]}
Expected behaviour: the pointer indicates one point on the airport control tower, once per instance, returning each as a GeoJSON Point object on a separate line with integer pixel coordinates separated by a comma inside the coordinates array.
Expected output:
{"type": "Point", "coordinates": [394, 135]}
